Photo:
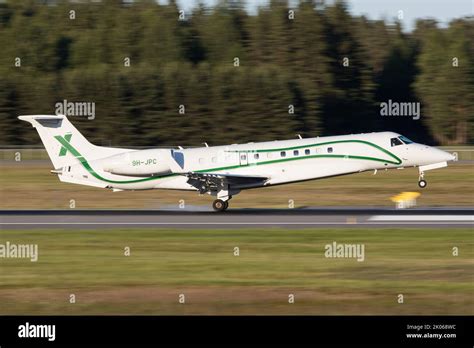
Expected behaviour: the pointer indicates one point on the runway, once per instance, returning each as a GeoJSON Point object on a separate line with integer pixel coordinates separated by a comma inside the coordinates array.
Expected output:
{"type": "Point", "coordinates": [238, 218]}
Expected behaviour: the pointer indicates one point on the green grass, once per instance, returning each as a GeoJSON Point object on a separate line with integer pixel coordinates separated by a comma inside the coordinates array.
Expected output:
{"type": "Point", "coordinates": [272, 264]}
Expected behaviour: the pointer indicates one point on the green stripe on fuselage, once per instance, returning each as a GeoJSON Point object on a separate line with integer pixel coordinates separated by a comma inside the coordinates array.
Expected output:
{"type": "Point", "coordinates": [398, 160]}
{"type": "Point", "coordinates": [87, 166]}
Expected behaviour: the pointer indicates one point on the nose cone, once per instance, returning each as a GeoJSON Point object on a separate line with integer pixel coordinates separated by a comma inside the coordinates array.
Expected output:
{"type": "Point", "coordinates": [441, 156]}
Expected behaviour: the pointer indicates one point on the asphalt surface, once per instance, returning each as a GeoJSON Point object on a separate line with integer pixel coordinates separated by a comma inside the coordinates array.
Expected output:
{"type": "Point", "coordinates": [239, 218]}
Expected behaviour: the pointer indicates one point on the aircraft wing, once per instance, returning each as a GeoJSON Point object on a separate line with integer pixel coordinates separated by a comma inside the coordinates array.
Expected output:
{"type": "Point", "coordinates": [208, 181]}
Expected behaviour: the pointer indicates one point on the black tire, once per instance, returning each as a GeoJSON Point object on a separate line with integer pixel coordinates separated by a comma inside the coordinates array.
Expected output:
{"type": "Point", "coordinates": [219, 205]}
{"type": "Point", "coordinates": [422, 183]}
{"type": "Point", "coordinates": [226, 205]}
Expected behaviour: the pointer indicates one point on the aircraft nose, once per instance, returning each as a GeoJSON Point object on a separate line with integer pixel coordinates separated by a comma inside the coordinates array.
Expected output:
{"type": "Point", "coordinates": [442, 156]}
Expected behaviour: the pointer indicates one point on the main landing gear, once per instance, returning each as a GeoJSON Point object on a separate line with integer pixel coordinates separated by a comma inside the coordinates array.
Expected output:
{"type": "Point", "coordinates": [421, 181]}
{"type": "Point", "coordinates": [220, 205]}
{"type": "Point", "coordinates": [223, 198]}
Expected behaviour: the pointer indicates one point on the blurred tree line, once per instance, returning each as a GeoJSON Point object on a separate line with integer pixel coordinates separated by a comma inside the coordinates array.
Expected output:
{"type": "Point", "coordinates": [315, 71]}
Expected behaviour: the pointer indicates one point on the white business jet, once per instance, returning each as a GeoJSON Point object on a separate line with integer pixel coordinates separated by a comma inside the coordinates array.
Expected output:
{"type": "Point", "coordinates": [224, 171]}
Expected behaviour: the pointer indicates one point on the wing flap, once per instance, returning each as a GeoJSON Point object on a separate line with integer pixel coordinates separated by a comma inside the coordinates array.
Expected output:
{"type": "Point", "coordinates": [205, 182]}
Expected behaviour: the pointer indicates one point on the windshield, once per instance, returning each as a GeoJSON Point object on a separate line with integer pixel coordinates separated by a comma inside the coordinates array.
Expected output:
{"type": "Point", "coordinates": [395, 142]}
{"type": "Point", "coordinates": [405, 139]}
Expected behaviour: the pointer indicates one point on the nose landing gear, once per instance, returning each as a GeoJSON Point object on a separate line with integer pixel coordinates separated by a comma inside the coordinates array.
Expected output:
{"type": "Point", "coordinates": [421, 181]}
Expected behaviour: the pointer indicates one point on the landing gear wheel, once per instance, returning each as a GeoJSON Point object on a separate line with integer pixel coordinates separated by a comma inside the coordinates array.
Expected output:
{"type": "Point", "coordinates": [226, 205]}
{"type": "Point", "coordinates": [219, 205]}
{"type": "Point", "coordinates": [422, 183]}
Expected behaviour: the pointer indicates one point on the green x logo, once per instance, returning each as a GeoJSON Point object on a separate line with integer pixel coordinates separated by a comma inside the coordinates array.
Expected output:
{"type": "Point", "coordinates": [63, 150]}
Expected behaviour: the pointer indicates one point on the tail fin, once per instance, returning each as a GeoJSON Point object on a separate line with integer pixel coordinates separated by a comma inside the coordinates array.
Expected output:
{"type": "Point", "coordinates": [64, 142]}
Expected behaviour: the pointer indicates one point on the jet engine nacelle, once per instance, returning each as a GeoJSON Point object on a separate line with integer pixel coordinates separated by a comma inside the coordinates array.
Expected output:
{"type": "Point", "coordinates": [139, 163]}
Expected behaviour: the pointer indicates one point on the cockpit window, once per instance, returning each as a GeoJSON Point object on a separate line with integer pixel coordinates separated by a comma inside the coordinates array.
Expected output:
{"type": "Point", "coordinates": [395, 142]}
{"type": "Point", "coordinates": [405, 139]}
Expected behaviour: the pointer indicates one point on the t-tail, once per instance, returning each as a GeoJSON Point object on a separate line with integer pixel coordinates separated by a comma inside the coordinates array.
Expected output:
{"type": "Point", "coordinates": [67, 147]}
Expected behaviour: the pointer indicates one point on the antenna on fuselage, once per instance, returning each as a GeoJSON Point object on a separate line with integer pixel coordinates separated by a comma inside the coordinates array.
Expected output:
{"type": "Point", "coordinates": [206, 144]}
{"type": "Point", "coordinates": [299, 136]}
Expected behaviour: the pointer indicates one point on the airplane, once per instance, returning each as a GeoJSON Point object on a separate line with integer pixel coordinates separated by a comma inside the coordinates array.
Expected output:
{"type": "Point", "coordinates": [224, 171]}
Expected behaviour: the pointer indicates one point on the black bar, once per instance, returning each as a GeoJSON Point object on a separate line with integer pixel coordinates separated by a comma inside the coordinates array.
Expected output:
{"type": "Point", "coordinates": [224, 330]}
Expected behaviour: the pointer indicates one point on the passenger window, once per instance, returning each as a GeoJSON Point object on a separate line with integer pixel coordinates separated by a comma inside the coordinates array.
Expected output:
{"type": "Point", "coordinates": [329, 149]}
{"type": "Point", "coordinates": [395, 142]}
{"type": "Point", "coordinates": [283, 154]}
{"type": "Point", "coordinates": [243, 157]}
{"type": "Point", "coordinates": [306, 152]}
{"type": "Point", "coordinates": [296, 152]}
{"type": "Point", "coordinates": [256, 156]}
